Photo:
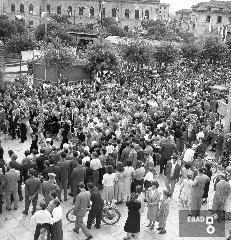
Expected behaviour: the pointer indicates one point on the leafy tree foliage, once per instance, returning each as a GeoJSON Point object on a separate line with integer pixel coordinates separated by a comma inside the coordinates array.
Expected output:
{"type": "Point", "coordinates": [61, 18]}
{"type": "Point", "coordinates": [166, 53]}
{"type": "Point", "coordinates": [191, 51]}
{"type": "Point", "coordinates": [7, 29]}
{"type": "Point", "coordinates": [156, 30]}
{"type": "Point", "coordinates": [213, 49]}
{"type": "Point", "coordinates": [58, 56]}
{"type": "Point", "coordinates": [138, 53]}
{"type": "Point", "coordinates": [19, 43]}
{"type": "Point", "coordinates": [101, 57]}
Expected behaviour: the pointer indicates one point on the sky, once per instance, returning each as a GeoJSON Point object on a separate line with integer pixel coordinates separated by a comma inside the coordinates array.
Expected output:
{"type": "Point", "coordinates": [181, 4]}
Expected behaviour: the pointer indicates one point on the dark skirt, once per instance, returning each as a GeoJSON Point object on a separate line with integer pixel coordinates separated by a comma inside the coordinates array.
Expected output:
{"type": "Point", "coordinates": [136, 183]}
{"type": "Point", "coordinates": [132, 224]}
{"type": "Point", "coordinates": [206, 190]}
{"type": "Point", "coordinates": [57, 231]}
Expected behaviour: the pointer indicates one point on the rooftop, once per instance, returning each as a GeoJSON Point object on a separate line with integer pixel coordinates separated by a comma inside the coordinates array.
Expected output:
{"type": "Point", "coordinates": [184, 11]}
{"type": "Point", "coordinates": [221, 5]}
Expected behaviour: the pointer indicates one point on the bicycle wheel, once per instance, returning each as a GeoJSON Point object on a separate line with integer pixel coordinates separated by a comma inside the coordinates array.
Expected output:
{"type": "Point", "coordinates": [110, 215]}
{"type": "Point", "coordinates": [70, 216]}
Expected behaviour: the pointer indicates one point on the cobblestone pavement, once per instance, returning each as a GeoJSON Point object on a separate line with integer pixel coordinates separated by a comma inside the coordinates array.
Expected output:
{"type": "Point", "coordinates": [14, 225]}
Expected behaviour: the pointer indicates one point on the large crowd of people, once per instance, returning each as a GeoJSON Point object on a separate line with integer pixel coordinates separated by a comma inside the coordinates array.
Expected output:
{"type": "Point", "coordinates": [120, 140]}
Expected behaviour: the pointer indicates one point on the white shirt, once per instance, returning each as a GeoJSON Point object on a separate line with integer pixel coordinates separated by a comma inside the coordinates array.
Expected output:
{"type": "Point", "coordinates": [95, 164]}
{"type": "Point", "coordinates": [57, 214]}
{"type": "Point", "coordinates": [149, 177]}
{"type": "Point", "coordinates": [85, 159]}
{"type": "Point", "coordinates": [108, 179]}
{"type": "Point", "coordinates": [173, 168]}
{"type": "Point", "coordinates": [188, 155]}
{"type": "Point", "coordinates": [41, 216]}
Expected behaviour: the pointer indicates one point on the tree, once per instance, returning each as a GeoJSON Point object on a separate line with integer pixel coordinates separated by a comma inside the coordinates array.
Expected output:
{"type": "Point", "coordinates": [19, 43]}
{"type": "Point", "coordinates": [57, 56]}
{"type": "Point", "coordinates": [7, 29]}
{"type": "Point", "coordinates": [155, 29]}
{"type": "Point", "coordinates": [101, 56]}
{"type": "Point", "coordinates": [54, 30]}
{"type": "Point", "coordinates": [137, 53]}
{"type": "Point", "coordinates": [61, 18]}
{"type": "Point", "coordinates": [214, 50]}
{"type": "Point", "coordinates": [191, 51]}
{"type": "Point", "coordinates": [166, 53]}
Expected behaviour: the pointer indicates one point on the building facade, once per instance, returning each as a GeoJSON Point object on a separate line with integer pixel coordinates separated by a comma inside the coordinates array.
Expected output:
{"type": "Point", "coordinates": [129, 14]}
{"type": "Point", "coordinates": [213, 16]}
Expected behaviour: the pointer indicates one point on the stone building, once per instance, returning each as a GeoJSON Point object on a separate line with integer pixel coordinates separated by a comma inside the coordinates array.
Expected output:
{"type": "Point", "coordinates": [129, 13]}
{"type": "Point", "coordinates": [207, 17]}
{"type": "Point", "coordinates": [183, 18]}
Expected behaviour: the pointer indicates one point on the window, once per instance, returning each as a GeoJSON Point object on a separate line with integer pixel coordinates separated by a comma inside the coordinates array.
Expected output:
{"type": "Point", "coordinates": [126, 28]}
{"type": "Point", "coordinates": [103, 12]}
{"type": "Point", "coordinates": [31, 9]}
{"type": "Point", "coordinates": [21, 8]}
{"type": "Point", "coordinates": [49, 8]}
{"type": "Point", "coordinates": [230, 20]}
{"type": "Point", "coordinates": [114, 10]}
{"type": "Point", "coordinates": [127, 12]}
{"type": "Point", "coordinates": [146, 14]}
{"type": "Point", "coordinates": [12, 8]}
{"type": "Point", "coordinates": [164, 7]}
{"type": "Point", "coordinates": [69, 10]}
{"type": "Point", "coordinates": [92, 12]}
{"type": "Point", "coordinates": [137, 14]}
{"type": "Point", "coordinates": [208, 18]}
{"type": "Point", "coordinates": [31, 23]}
{"type": "Point", "coordinates": [81, 11]}
{"type": "Point", "coordinates": [194, 26]}
{"type": "Point", "coordinates": [59, 10]}
{"type": "Point", "coordinates": [209, 9]}
{"type": "Point", "coordinates": [219, 19]}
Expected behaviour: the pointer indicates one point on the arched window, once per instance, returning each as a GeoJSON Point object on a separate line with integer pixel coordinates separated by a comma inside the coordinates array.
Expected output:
{"type": "Point", "coordinates": [92, 12]}
{"type": "Point", "coordinates": [12, 8]}
{"type": "Point", "coordinates": [31, 8]}
{"type": "Point", "coordinates": [21, 8]}
{"type": "Point", "coordinates": [137, 14]}
{"type": "Point", "coordinates": [114, 10]}
{"type": "Point", "coordinates": [59, 10]}
{"type": "Point", "coordinates": [81, 11]}
{"type": "Point", "coordinates": [146, 14]}
{"type": "Point", "coordinates": [70, 10]}
{"type": "Point", "coordinates": [126, 28]}
{"type": "Point", "coordinates": [49, 9]}
{"type": "Point", "coordinates": [127, 12]}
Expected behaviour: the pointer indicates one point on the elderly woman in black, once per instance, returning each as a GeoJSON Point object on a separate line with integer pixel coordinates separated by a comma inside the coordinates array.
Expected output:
{"type": "Point", "coordinates": [138, 176]}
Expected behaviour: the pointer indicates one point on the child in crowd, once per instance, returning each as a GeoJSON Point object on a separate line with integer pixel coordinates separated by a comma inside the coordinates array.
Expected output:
{"type": "Point", "coordinates": [164, 211]}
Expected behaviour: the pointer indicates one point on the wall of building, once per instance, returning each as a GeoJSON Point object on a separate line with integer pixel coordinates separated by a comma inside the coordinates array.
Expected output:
{"type": "Point", "coordinates": [154, 9]}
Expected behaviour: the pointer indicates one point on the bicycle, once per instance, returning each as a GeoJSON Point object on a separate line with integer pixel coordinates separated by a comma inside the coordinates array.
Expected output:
{"type": "Point", "coordinates": [110, 215]}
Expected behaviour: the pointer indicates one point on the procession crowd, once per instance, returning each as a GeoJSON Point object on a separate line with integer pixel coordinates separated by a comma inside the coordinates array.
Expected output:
{"type": "Point", "coordinates": [121, 140]}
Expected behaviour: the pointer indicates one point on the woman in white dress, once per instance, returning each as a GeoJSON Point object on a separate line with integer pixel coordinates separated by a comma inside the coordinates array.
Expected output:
{"type": "Point", "coordinates": [128, 170]}
{"type": "Point", "coordinates": [227, 207]}
{"type": "Point", "coordinates": [185, 191]}
{"type": "Point", "coordinates": [108, 185]}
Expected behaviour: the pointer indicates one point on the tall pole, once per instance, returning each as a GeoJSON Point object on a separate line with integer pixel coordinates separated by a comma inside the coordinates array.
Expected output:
{"type": "Point", "coordinates": [74, 16]}
{"type": "Point", "coordinates": [228, 115]}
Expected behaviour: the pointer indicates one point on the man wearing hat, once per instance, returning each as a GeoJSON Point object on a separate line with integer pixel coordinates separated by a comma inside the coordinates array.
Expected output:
{"type": "Point", "coordinates": [48, 147]}
{"type": "Point", "coordinates": [172, 173]}
{"type": "Point", "coordinates": [48, 186]}
{"type": "Point", "coordinates": [32, 189]}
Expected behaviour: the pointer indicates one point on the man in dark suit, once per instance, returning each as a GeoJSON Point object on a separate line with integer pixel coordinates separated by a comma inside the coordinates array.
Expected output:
{"type": "Point", "coordinates": [17, 166]}
{"type": "Point", "coordinates": [2, 187]}
{"type": "Point", "coordinates": [78, 175]}
{"type": "Point", "coordinates": [167, 149]}
{"type": "Point", "coordinates": [221, 193]}
{"type": "Point", "coordinates": [64, 170]}
{"type": "Point", "coordinates": [48, 186]}
{"type": "Point", "coordinates": [72, 164]}
{"type": "Point", "coordinates": [40, 161]}
{"type": "Point", "coordinates": [96, 207]}
{"type": "Point", "coordinates": [125, 154]}
{"type": "Point", "coordinates": [198, 191]}
{"type": "Point", "coordinates": [32, 189]}
{"type": "Point", "coordinates": [172, 173]}
{"type": "Point", "coordinates": [53, 169]}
